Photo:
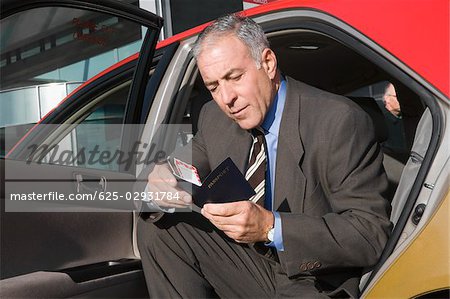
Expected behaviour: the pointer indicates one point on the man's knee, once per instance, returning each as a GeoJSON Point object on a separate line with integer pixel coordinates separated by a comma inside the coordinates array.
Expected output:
{"type": "Point", "coordinates": [142, 234]}
{"type": "Point", "coordinates": [148, 237]}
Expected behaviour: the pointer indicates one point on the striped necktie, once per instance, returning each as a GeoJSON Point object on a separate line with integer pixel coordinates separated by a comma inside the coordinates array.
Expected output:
{"type": "Point", "coordinates": [256, 172]}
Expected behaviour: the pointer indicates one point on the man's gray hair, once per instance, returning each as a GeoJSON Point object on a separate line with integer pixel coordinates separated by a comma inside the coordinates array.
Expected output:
{"type": "Point", "coordinates": [245, 29]}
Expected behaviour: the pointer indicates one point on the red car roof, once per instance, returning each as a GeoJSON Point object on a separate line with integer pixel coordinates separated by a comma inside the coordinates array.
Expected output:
{"type": "Point", "coordinates": [414, 31]}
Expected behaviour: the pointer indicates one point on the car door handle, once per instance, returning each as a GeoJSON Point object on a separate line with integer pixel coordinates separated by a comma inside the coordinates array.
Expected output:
{"type": "Point", "coordinates": [90, 183]}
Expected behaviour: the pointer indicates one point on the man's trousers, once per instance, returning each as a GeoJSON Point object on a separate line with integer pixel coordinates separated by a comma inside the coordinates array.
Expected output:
{"type": "Point", "coordinates": [184, 255]}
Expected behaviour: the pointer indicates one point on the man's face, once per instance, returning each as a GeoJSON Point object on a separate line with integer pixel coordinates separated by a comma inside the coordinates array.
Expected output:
{"type": "Point", "coordinates": [242, 91]}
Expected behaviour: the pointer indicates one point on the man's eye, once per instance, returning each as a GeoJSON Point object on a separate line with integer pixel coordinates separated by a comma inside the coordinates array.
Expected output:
{"type": "Point", "coordinates": [237, 78]}
{"type": "Point", "coordinates": [213, 88]}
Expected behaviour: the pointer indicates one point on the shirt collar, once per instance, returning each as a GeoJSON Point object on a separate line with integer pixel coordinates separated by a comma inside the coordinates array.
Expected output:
{"type": "Point", "coordinates": [272, 121]}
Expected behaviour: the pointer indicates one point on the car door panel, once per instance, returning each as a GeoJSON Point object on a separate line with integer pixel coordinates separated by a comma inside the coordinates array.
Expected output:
{"type": "Point", "coordinates": [55, 249]}
{"type": "Point", "coordinates": [44, 284]}
{"type": "Point", "coordinates": [73, 248]}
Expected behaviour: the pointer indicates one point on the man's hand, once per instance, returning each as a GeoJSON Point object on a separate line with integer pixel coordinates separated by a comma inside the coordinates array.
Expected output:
{"type": "Point", "coordinates": [243, 221]}
{"type": "Point", "coordinates": [162, 180]}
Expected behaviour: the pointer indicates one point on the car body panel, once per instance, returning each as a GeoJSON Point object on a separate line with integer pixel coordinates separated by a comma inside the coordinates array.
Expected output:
{"type": "Point", "coordinates": [423, 266]}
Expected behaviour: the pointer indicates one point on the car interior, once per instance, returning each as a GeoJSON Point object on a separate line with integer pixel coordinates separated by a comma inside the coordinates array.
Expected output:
{"type": "Point", "coordinates": [92, 251]}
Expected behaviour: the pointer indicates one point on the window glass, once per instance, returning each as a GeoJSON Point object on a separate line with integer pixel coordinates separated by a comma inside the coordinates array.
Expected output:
{"type": "Point", "coordinates": [19, 106]}
{"type": "Point", "coordinates": [62, 43]}
{"type": "Point", "coordinates": [50, 95]}
{"type": "Point", "coordinates": [98, 130]}
{"type": "Point", "coordinates": [47, 52]}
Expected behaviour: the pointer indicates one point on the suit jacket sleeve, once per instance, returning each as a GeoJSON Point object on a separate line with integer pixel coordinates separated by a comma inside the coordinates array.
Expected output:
{"type": "Point", "coordinates": [195, 152]}
{"type": "Point", "coordinates": [355, 229]}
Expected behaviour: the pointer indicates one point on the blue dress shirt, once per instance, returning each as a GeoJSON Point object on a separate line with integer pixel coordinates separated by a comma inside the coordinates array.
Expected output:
{"type": "Point", "coordinates": [271, 126]}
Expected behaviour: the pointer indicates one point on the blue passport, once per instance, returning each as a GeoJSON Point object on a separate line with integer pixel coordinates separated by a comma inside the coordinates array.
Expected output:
{"type": "Point", "coordinates": [224, 184]}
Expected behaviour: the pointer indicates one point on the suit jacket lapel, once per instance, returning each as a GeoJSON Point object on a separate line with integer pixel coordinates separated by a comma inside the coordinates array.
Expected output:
{"type": "Point", "coordinates": [290, 181]}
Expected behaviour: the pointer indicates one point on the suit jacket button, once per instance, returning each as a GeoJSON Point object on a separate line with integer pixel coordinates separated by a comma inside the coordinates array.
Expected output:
{"type": "Point", "coordinates": [310, 266]}
{"type": "Point", "coordinates": [317, 264]}
{"type": "Point", "coordinates": [303, 267]}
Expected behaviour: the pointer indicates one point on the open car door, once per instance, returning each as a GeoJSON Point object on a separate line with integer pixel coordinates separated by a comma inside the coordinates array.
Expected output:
{"type": "Point", "coordinates": [66, 210]}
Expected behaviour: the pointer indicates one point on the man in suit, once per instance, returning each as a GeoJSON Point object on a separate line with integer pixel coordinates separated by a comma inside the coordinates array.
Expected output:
{"type": "Point", "coordinates": [322, 217]}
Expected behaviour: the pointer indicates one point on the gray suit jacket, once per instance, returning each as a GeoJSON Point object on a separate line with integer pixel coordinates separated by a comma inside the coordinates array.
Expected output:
{"type": "Point", "coordinates": [329, 183]}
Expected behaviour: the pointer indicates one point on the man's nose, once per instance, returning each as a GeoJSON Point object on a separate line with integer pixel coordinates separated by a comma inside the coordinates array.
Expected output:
{"type": "Point", "coordinates": [228, 95]}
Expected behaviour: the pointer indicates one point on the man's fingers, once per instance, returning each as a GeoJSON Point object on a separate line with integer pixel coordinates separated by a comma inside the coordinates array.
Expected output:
{"type": "Point", "coordinates": [242, 221]}
{"type": "Point", "coordinates": [166, 174]}
{"type": "Point", "coordinates": [162, 187]}
{"type": "Point", "coordinates": [167, 192]}
{"type": "Point", "coordinates": [220, 220]}
{"type": "Point", "coordinates": [225, 209]}
{"type": "Point", "coordinates": [161, 176]}
{"type": "Point", "coordinates": [173, 198]}
{"type": "Point", "coordinates": [171, 203]}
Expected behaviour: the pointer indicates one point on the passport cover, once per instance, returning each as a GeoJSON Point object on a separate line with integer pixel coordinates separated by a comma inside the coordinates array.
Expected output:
{"type": "Point", "coordinates": [224, 184]}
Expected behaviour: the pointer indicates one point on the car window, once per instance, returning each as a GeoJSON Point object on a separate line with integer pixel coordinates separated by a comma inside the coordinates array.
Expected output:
{"type": "Point", "coordinates": [43, 63]}
{"type": "Point", "coordinates": [98, 130]}
{"type": "Point", "coordinates": [88, 124]}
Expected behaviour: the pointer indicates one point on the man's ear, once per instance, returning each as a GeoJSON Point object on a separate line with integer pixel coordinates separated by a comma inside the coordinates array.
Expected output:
{"type": "Point", "coordinates": [269, 62]}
